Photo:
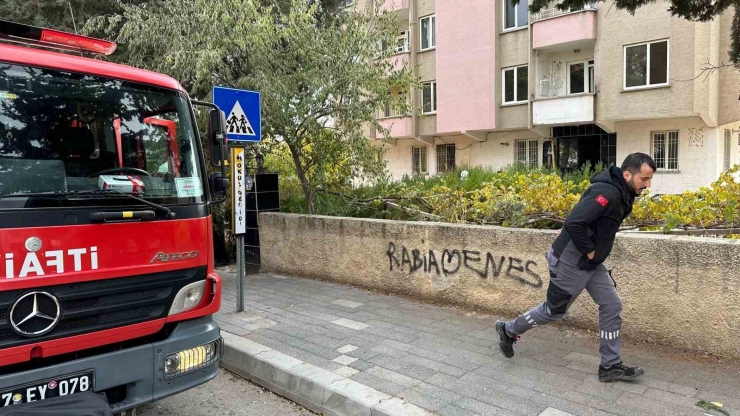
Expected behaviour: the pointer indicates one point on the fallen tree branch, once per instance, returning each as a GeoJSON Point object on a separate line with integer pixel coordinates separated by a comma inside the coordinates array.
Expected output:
{"type": "Point", "coordinates": [421, 204]}
{"type": "Point", "coordinates": [413, 211]}
{"type": "Point", "coordinates": [355, 199]}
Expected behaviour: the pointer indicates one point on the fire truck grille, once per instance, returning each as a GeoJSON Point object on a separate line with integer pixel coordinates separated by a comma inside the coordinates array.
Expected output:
{"type": "Point", "coordinates": [101, 304]}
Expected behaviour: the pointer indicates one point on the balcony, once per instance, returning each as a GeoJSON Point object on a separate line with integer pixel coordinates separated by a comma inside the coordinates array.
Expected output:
{"type": "Point", "coordinates": [399, 6]}
{"type": "Point", "coordinates": [399, 124]}
{"type": "Point", "coordinates": [563, 110]}
{"type": "Point", "coordinates": [553, 28]}
{"type": "Point", "coordinates": [565, 86]}
{"type": "Point", "coordinates": [399, 60]}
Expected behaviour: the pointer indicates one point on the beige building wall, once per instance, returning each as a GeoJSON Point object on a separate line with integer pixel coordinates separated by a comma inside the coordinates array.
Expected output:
{"type": "Point", "coordinates": [496, 152]}
{"type": "Point", "coordinates": [424, 7]}
{"type": "Point", "coordinates": [729, 78]}
{"type": "Point", "coordinates": [426, 61]}
{"type": "Point", "coordinates": [427, 125]}
{"type": "Point", "coordinates": [398, 157]}
{"type": "Point", "coordinates": [512, 49]}
{"type": "Point", "coordinates": [650, 22]}
{"type": "Point", "coordinates": [512, 117]}
{"type": "Point", "coordinates": [427, 65]}
{"type": "Point", "coordinates": [706, 89]}
{"type": "Point", "coordinates": [697, 150]}
{"type": "Point", "coordinates": [734, 129]}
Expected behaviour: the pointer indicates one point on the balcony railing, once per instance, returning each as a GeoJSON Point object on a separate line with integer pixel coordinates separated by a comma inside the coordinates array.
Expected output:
{"type": "Point", "coordinates": [389, 112]}
{"type": "Point", "coordinates": [562, 110]}
{"type": "Point", "coordinates": [550, 13]}
{"type": "Point", "coordinates": [403, 46]}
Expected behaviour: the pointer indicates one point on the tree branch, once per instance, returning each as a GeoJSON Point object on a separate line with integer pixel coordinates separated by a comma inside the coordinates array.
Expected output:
{"type": "Point", "coordinates": [707, 69]}
{"type": "Point", "coordinates": [413, 211]}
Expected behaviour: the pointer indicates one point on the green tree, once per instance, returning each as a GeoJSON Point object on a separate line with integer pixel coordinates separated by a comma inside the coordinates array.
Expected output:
{"type": "Point", "coordinates": [693, 10]}
{"type": "Point", "coordinates": [57, 14]}
{"type": "Point", "coordinates": [71, 16]}
{"type": "Point", "coordinates": [321, 81]}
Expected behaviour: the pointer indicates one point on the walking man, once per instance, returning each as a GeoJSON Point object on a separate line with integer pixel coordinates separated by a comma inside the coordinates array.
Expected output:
{"type": "Point", "coordinates": [576, 259]}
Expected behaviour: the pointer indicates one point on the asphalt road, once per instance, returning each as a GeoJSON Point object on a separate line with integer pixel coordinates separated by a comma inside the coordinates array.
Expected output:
{"type": "Point", "coordinates": [227, 394]}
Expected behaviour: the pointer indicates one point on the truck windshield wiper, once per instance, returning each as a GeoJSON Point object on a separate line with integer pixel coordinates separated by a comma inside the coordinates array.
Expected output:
{"type": "Point", "coordinates": [104, 192]}
{"type": "Point", "coordinates": [112, 192]}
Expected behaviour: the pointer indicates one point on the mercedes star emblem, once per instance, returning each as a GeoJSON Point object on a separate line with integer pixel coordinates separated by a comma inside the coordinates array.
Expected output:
{"type": "Point", "coordinates": [35, 314]}
{"type": "Point", "coordinates": [33, 244]}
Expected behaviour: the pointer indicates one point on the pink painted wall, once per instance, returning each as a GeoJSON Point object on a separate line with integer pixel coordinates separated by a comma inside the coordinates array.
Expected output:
{"type": "Point", "coordinates": [390, 5]}
{"type": "Point", "coordinates": [399, 60]}
{"type": "Point", "coordinates": [400, 127]}
{"type": "Point", "coordinates": [564, 29]}
{"type": "Point", "coordinates": [466, 65]}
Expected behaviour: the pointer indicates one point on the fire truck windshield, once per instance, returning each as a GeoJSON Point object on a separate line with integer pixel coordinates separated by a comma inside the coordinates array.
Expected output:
{"type": "Point", "coordinates": [65, 133]}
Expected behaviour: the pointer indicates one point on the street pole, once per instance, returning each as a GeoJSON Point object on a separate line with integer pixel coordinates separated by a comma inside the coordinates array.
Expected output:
{"type": "Point", "coordinates": [240, 273]}
{"type": "Point", "coordinates": [243, 126]}
{"type": "Point", "coordinates": [238, 221]}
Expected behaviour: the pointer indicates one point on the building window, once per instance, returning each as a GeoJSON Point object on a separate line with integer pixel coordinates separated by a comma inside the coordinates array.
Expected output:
{"type": "Point", "coordinates": [426, 35]}
{"type": "Point", "coordinates": [515, 16]}
{"type": "Point", "coordinates": [646, 64]}
{"type": "Point", "coordinates": [580, 77]}
{"type": "Point", "coordinates": [516, 84]}
{"type": "Point", "coordinates": [665, 149]}
{"type": "Point", "coordinates": [445, 157]}
{"type": "Point", "coordinates": [527, 153]}
{"type": "Point", "coordinates": [728, 148]}
{"type": "Point", "coordinates": [577, 78]}
{"type": "Point", "coordinates": [591, 77]}
{"type": "Point", "coordinates": [429, 97]}
{"type": "Point", "coordinates": [419, 160]}
{"type": "Point", "coordinates": [402, 42]}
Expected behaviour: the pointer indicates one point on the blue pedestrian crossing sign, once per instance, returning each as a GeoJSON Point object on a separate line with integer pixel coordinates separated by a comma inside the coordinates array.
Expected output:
{"type": "Point", "coordinates": [243, 113]}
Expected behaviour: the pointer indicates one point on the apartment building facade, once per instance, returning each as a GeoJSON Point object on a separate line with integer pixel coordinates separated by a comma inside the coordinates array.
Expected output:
{"type": "Point", "coordinates": [502, 86]}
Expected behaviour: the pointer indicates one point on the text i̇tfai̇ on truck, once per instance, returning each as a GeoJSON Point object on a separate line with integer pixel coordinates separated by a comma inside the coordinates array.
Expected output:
{"type": "Point", "coordinates": [107, 282]}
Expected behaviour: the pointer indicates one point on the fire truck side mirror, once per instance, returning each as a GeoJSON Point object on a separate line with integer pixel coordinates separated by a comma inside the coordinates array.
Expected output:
{"type": "Point", "coordinates": [217, 136]}
{"type": "Point", "coordinates": [219, 185]}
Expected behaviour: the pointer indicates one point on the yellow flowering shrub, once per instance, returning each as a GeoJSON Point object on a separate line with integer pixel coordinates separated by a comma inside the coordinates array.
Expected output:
{"type": "Point", "coordinates": [537, 199]}
{"type": "Point", "coordinates": [531, 198]}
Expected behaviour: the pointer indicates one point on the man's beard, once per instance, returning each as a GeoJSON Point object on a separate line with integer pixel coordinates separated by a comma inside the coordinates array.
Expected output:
{"type": "Point", "coordinates": [635, 190]}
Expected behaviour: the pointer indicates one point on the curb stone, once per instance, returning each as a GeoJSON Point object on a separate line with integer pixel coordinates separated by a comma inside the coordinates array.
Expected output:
{"type": "Point", "coordinates": [315, 388]}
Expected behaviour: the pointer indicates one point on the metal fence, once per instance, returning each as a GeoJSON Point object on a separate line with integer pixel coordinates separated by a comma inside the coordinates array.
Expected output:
{"type": "Point", "coordinates": [550, 13]}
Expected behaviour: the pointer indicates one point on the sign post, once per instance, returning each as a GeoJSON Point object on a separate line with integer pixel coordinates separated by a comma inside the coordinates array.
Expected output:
{"type": "Point", "coordinates": [238, 219]}
{"type": "Point", "coordinates": [243, 125]}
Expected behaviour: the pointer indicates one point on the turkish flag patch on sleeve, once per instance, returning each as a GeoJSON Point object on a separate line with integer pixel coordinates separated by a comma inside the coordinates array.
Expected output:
{"type": "Point", "coordinates": [602, 201]}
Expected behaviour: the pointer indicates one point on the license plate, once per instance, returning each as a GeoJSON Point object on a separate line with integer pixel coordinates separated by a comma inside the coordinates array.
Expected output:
{"type": "Point", "coordinates": [46, 389]}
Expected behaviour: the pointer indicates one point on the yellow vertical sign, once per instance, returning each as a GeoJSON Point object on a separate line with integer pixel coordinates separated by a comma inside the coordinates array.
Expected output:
{"type": "Point", "coordinates": [238, 219]}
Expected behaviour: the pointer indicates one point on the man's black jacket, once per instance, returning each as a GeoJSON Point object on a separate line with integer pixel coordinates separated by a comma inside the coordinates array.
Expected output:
{"type": "Point", "coordinates": [595, 220]}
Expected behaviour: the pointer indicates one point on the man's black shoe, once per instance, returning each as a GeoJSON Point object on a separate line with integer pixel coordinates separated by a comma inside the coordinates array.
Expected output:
{"type": "Point", "coordinates": [619, 372]}
{"type": "Point", "coordinates": [506, 342]}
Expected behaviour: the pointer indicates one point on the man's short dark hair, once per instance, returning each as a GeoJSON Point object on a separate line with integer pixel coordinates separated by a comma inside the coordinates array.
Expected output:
{"type": "Point", "coordinates": [633, 162]}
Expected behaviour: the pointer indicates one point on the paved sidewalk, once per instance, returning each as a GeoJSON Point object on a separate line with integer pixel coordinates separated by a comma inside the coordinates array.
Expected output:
{"type": "Point", "coordinates": [445, 360]}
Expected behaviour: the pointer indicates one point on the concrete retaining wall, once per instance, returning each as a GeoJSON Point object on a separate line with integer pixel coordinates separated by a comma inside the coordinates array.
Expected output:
{"type": "Point", "coordinates": [680, 291]}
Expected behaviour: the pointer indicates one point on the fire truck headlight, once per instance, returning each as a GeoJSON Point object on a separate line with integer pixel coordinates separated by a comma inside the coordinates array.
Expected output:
{"type": "Point", "coordinates": [193, 359]}
{"type": "Point", "coordinates": [188, 297]}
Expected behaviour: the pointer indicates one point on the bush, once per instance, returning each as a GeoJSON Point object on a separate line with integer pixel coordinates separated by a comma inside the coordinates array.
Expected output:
{"type": "Point", "coordinates": [716, 206]}
{"type": "Point", "coordinates": [518, 197]}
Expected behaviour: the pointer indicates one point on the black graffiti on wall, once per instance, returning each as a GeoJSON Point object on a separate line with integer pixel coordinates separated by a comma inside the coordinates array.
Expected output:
{"type": "Point", "coordinates": [451, 261]}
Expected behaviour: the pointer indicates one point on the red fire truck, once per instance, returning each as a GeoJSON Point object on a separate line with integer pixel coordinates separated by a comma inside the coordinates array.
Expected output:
{"type": "Point", "coordinates": [107, 282]}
